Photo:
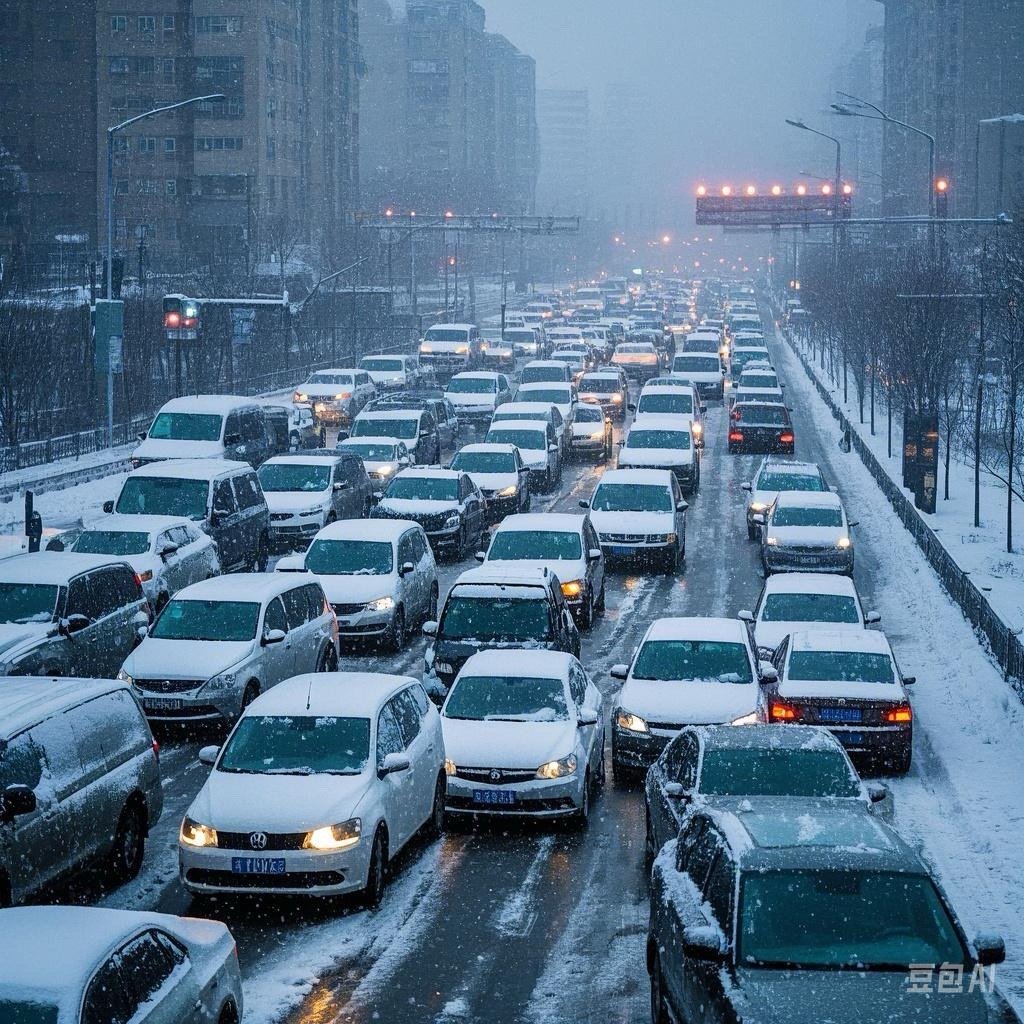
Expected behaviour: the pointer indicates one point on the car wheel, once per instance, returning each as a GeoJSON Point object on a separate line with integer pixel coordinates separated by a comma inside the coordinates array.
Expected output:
{"type": "Point", "coordinates": [752, 532]}
{"type": "Point", "coordinates": [262, 555]}
{"type": "Point", "coordinates": [462, 545]}
{"type": "Point", "coordinates": [328, 660]}
{"type": "Point", "coordinates": [527, 500]}
{"type": "Point", "coordinates": [435, 823]}
{"type": "Point", "coordinates": [582, 816]}
{"type": "Point", "coordinates": [602, 774]}
{"type": "Point", "coordinates": [376, 875]}
{"type": "Point", "coordinates": [648, 842]}
{"type": "Point", "coordinates": [129, 843]}
{"type": "Point", "coordinates": [659, 1011]}
{"type": "Point", "coordinates": [601, 603]}
{"type": "Point", "coordinates": [228, 1015]}
{"type": "Point", "coordinates": [250, 693]}
{"type": "Point", "coordinates": [587, 610]}
{"type": "Point", "coordinates": [396, 635]}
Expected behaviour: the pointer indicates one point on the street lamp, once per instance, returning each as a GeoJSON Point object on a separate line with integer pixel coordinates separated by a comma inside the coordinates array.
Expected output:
{"type": "Point", "coordinates": [836, 184]}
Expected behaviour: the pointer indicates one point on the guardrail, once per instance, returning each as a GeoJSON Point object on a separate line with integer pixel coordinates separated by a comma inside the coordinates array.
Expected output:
{"type": "Point", "coordinates": [1005, 643]}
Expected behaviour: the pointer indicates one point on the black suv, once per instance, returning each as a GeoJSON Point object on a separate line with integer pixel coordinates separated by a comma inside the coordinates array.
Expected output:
{"type": "Point", "coordinates": [488, 609]}
{"type": "Point", "coordinates": [431, 399]}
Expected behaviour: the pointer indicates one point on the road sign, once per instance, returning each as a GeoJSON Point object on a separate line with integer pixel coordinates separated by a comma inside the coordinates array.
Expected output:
{"type": "Point", "coordinates": [108, 335]}
{"type": "Point", "coordinates": [115, 353]}
{"type": "Point", "coordinates": [767, 210]}
{"type": "Point", "coordinates": [921, 457]}
{"type": "Point", "coordinates": [243, 325]}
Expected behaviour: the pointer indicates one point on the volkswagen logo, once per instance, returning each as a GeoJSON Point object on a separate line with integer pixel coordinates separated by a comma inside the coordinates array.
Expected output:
{"type": "Point", "coordinates": [258, 840]}
{"type": "Point", "coordinates": [841, 702]}
{"type": "Point", "coordinates": [495, 775]}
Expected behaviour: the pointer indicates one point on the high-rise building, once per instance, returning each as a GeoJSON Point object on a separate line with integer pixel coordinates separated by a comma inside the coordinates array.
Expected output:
{"type": "Point", "coordinates": [563, 123]}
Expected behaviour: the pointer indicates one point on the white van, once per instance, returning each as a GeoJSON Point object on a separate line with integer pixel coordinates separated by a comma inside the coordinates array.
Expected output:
{"type": "Point", "coordinates": [703, 370]}
{"type": "Point", "coordinates": [451, 348]}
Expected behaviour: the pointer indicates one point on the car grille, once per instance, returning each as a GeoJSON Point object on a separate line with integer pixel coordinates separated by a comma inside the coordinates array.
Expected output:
{"type": "Point", "coordinates": [809, 549]}
{"type": "Point", "coordinates": [624, 538]}
{"type": "Point", "coordinates": [347, 609]}
{"type": "Point", "coordinates": [505, 775]}
{"type": "Point", "coordinates": [277, 517]}
{"type": "Point", "coordinates": [275, 841]}
{"type": "Point", "coordinates": [169, 685]}
{"type": "Point", "coordinates": [288, 880]}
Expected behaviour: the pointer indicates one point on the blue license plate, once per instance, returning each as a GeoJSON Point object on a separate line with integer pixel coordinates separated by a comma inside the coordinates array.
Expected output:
{"type": "Point", "coordinates": [620, 549]}
{"type": "Point", "coordinates": [494, 796]}
{"type": "Point", "coordinates": [257, 865]}
{"type": "Point", "coordinates": [851, 739]}
{"type": "Point", "coordinates": [839, 714]}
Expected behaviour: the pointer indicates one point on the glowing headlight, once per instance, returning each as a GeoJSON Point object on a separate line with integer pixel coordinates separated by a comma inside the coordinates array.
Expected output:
{"type": "Point", "coordinates": [385, 470]}
{"type": "Point", "coordinates": [843, 542]}
{"type": "Point", "coordinates": [572, 589]}
{"type": "Point", "coordinates": [750, 719]}
{"type": "Point", "coordinates": [300, 397]}
{"type": "Point", "coordinates": [557, 769]}
{"type": "Point", "coordinates": [698, 428]}
{"type": "Point", "coordinates": [125, 678]}
{"type": "Point", "coordinates": [757, 506]}
{"type": "Point", "coordinates": [449, 767]}
{"type": "Point", "coordinates": [771, 541]}
{"type": "Point", "coordinates": [598, 435]}
{"type": "Point", "coordinates": [334, 837]}
{"type": "Point", "coordinates": [507, 492]}
{"type": "Point", "coordinates": [452, 520]}
{"type": "Point", "coordinates": [617, 399]}
{"type": "Point", "coordinates": [381, 604]}
{"type": "Point", "coordinates": [342, 395]}
{"type": "Point", "coordinates": [194, 834]}
{"type": "Point", "coordinates": [630, 722]}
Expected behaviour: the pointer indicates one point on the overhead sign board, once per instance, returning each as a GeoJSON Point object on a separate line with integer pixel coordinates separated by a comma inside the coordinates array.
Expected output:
{"type": "Point", "coordinates": [768, 210]}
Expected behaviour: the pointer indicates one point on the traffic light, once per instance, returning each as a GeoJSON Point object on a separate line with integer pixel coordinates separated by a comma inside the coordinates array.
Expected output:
{"type": "Point", "coordinates": [941, 198]}
{"type": "Point", "coordinates": [181, 316]}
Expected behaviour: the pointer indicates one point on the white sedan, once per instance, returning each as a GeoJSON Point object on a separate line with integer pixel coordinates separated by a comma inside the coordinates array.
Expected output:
{"type": "Point", "coordinates": [523, 735]}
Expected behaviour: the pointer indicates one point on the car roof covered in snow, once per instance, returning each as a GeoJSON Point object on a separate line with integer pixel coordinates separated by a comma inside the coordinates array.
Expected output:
{"type": "Point", "coordinates": [660, 389]}
{"type": "Point", "coordinates": [776, 465]}
{"type": "Point", "coordinates": [189, 469]}
{"type": "Point", "coordinates": [216, 405]}
{"type": "Point", "coordinates": [300, 459]}
{"type": "Point", "coordinates": [766, 737]}
{"type": "Point", "coordinates": [129, 522]}
{"type": "Point", "coordinates": [504, 425]}
{"type": "Point", "coordinates": [488, 447]}
{"type": "Point", "coordinates": [508, 574]}
{"type": "Point", "coordinates": [333, 369]}
{"type": "Point", "coordinates": [538, 664]}
{"type": "Point", "coordinates": [347, 694]}
{"type": "Point", "coordinates": [809, 583]}
{"type": "Point", "coordinates": [542, 407]}
{"type": "Point", "coordinates": [26, 700]}
{"type": "Point", "coordinates": [392, 413]}
{"type": "Point", "coordinates": [698, 627]}
{"type": "Point", "coordinates": [51, 568]}
{"type": "Point", "coordinates": [476, 375]}
{"type": "Point", "coordinates": [382, 439]}
{"type": "Point", "coordinates": [241, 586]}
{"type": "Point", "coordinates": [382, 530]}
{"type": "Point", "coordinates": [661, 421]}
{"type": "Point", "coordinates": [605, 372]}
{"type": "Point", "coordinates": [435, 472]}
{"type": "Point", "coordinates": [461, 327]}
{"type": "Point", "coordinates": [860, 641]}
{"type": "Point", "coordinates": [546, 522]}
{"type": "Point", "coordinates": [808, 499]}
{"type": "Point", "coordinates": [636, 477]}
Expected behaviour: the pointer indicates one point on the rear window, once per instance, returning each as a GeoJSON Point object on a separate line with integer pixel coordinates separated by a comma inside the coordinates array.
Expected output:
{"type": "Point", "coordinates": [757, 414]}
{"type": "Point", "coordinates": [680, 404]}
{"type": "Point", "coordinates": [163, 496]}
{"type": "Point", "coordinates": [841, 667]}
{"type": "Point", "coordinates": [696, 364]}
{"type": "Point", "coordinates": [186, 426]}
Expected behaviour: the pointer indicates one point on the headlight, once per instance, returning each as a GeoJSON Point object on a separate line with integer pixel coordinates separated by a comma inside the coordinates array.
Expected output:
{"type": "Point", "coordinates": [507, 492]}
{"type": "Point", "coordinates": [630, 722]}
{"type": "Point", "coordinates": [698, 428]}
{"type": "Point", "coordinates": [843, 542]}
{"type": "Point", "coordinates": [194, 834]}
{"type": "Point", "coordinates": [617, 399]}
{"type": "Point", "coordinates": [385, 470]}
{"type": "Point", "coordinates": [771, 541]}
{"type": "Point", "coordinates": [125, 678]}
{"type": "Point", "coordinates": [598, 435]}
{"type": "Point", "coordinates": [381, 604]}
{"type": "Point", "coordinates": [312, 512]}
{"type": "Point", "coordinates": [444, 666]}
{"type": "Point", "coordinates": [300, 397]}
{"type": "Point", "coordinates": [226, 680]}
{"type": "Point", "coordinates": [449, 767]}
{"type": "Point", "coordinates": [750, 719]}
{"type": "Point", "coordinates": [334, 837]}
{"type": "Point", "coordinates": [452, 520]}
{"type": "Point", "coordinates": [342, 395]}
{"type": "Point", "coordinates": [572, 589]}
{"type": "Point", "coordinates": [557, 769]}
{"type": "Point", "coordinates": [757, 506]}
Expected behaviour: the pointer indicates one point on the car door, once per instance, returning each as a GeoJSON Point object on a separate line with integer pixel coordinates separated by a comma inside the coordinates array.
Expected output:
{"type": "Point", "coordinates": [252, 512]}
{"type": "Point", "coordinates": [83, 653]}
{"type": "Point", "coordinates": [398, 789]}
{"type": "Point", "coordinates": [226, 526]}
{"type": "Point", "coordinates": [705, 993]}
{"type": "Point", "coordinates": [303, 631]}
{"type": "Point", "coordinates": [678, 513]}
{"type": "Point", "coordinates": [358, 489]}
{"type": "Point", "coordinates": [595, 566]}
{"type": "Point", "coordinates": [278, 658]}
{"type": "Point", "coordinates": [679, 766]}
{"type": "Point", "coordinates": [173, 565]}
{"type": "Point", "coordinates": [410, 585]}
{"type": "Point", "coordinates": [123, 599]}
{"type": "Point", "coordinates": [161, 988]}
{"type": "Point", "coordinates": [193, 556]}
{"type": "Point", "coordinates": [472, 503]}
{"type": "Point", "coordinates": [420, 745]}
{"type": "Point", "coordinates": [588, 734]}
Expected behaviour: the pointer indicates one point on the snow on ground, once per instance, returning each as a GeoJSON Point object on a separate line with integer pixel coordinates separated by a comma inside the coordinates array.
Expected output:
{"type": "Point", "coordinates": [61, 508]}
{"type": "Point", "coordinates": [962, 801]}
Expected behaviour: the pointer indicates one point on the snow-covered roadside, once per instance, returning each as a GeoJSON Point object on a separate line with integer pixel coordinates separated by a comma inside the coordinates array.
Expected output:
{"type": "Point", "coordinates": [59, 509]}
{"type": "Point", "coordinates": [963, 800]}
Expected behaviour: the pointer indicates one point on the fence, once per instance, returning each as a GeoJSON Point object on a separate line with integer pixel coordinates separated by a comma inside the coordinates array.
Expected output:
{"type": "Point", "coordinates": [1004, 642]}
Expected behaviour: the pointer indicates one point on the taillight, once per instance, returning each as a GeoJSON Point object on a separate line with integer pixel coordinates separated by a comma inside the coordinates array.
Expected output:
{"type": "Point", "coordinates": [735, 414]}
{"type": "Point", "coordinates": [786, 437]}
{"type": "Point", "coordinates": [156, 749]}
{"type": "Point", "coordinates": [735, 435]}
{"type": "Point", "coordinates": [902, 713]}
{"type": "Point", "coordinates": [779, 712]}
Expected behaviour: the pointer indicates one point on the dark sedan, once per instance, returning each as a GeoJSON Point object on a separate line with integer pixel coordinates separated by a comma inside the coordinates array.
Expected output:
{"type": "Point", "coordinates": [761, 427]}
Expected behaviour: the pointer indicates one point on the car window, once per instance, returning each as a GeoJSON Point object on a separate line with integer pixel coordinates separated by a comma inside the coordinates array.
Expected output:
{"type": "Point", "coordinates": [252, 426]}
{"type": "Point", "coordinates": [120, 587]}
{"type": "Point", "coordinates": [419, 545]}
{"type": "Point", "coordinates": [233, 424]}
{"type": "Point", "coordinates": [275, 617]}
{"type": "Point", "coordinates": [106, 1001]}
{"type": "Point", "coordinates": [408, 715]}
{"type": "Point", "coordinates": [248, 491]}
{"type": "Point", "coordinates": [224, 499]}
{"type": "Point", "coordinates": [697, 856]}
{"type": "Point", "coordinates": [389, 735]}
{"type": "Point", "coordinates": [406, 550]}
{"type": "Point", "coordinates": [718, 891]}
{"type": "Point", "coordinates": [96, 594]}
{"type": "Point", "coordinates": [578, 685]}
{"type": "Point", "coordinates": [295, 607]}
{"type": "Point", "coordinates": [419, 695]}
{"type": "Point", "coordinates": [145, 965]}
{"type": "Point", "coordinates": [55, 738]}
{"type": "Point", "coordinates": [313, 595]}
{"type": "Point", "coordinates": [681, 761]}
{"type": "Point", "coordinates": [21, 762]}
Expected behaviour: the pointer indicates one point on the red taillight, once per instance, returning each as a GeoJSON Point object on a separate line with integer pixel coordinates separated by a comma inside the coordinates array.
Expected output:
{"type": "Point", "coordinates": [156, 749]}
{"type": "Point", "coordinates": [735, 435]}
{"type": "Point", "coordinates": [779, 712]}
{"type": "Point", "coordinates": [786, 437]}
{"type": "Point", "coordinates": [734, 415]}
{"type": "Point", "coordinates": [899, 714]}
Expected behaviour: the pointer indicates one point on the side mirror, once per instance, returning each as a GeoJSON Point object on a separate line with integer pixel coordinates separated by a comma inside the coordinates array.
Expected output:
{"type": "Point", "coordinates": [909, 680]}
{"type": "Point", "coordinates": [767, 671]}
{"type": "Point", "coordinates": [394, 763]}
{"type": "Point", "coordinates": [758, 518]}
{"type": "Point", "coordinates": [340, 485]}
{"type": "Point", "coordinates": [877, 792]}
{"type": "Point", "coordinates": [167, 550]}
{"type": "Point", "coordinates": [746, 615]}
{"type": "Point", "coordinates": [619, 671]}
{"type": "Point", "coordinates": [208, 755]}
{"type": "Point", "coordinates": [682, 506]}
{"type": "Point", "coordinates": [17, 800]}
{"type": "Point", "coordinates": [989, 949]}
{"type": "Point", "coordinates": [75, 623]}
{"type": "Point", "coordinates": [108, 506]}
{"type": "Point", "coordinates": [424, 433]}
{"type": "Point", "coordinates": [273, 636]}
{"type": "Point", "coordinates": [703, 407]}
{"type": "Point", "coordinates": [584, 503]}
{"type": "Point", "coordinates": [586, 716]}
{"type": "Point", "coordinates": [703, 943]}
{"type": "Point", "coordinates": [142, 435]}
{"type": "Point", "coordinates": [594, 554]}
{"type": "Point", "coordinates": [674, 790]}
{"type": "Point", "coordinates": [856, 522]}
{"type": "Point", "coordinates": [872, 618]}
{"type": "Point", "coordinates": [480, 556]}
{"type": "Point", "coordinates": [631, 408]}
{"type": "Point", "coordinates": [430, 628]}
{"type": "Point", "coordinates": [406, 568]}
{"type": "Point", "coordinates": [552, 447]}
{"type": "Point", "coordinates": [746, 487]}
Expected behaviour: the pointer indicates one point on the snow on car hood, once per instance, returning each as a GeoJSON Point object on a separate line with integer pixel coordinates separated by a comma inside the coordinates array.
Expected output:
{"type": "Point", "coordinates": [295, 501]}
{"type": "Point", "coordinates": [185, 659]}
{"type": "Point", "coordinates": [167, 448]}
{"type": "Point", "coordinates": [324, 390]}
{"type": "Point", "coordinates": [494, 481]}
{"type": "Point", "coordinates": [356, 589]}
{"type": "Point", "coordinates": [633, 522]}
{"type": "Point", "coordinates": [507, 744]}
{"type": "Point", "coordinates": [809, 536]}
{"type": "Point", "coordinates": [771, 634]}
{"type": "Point", "coordinates": [417, 506]}
{"type": "Point", "coordinates": [471, 400]}
{"type": "Point", "coordinates": [564, 568]}
{"type": "Point", "coordinates": [655, 457]}
{"type": "Point", "coordinates": [817, 689]}
{"type": "Point", "coordinates": [14, 634]}
{"type": "Point", "coordinates": [277, 803]}
{"type": "Point", "coordinates": [688, 703]}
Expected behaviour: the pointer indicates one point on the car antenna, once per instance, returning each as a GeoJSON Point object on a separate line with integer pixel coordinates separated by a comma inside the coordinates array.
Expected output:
{"type": "Point", "coordinates": [309, 693]}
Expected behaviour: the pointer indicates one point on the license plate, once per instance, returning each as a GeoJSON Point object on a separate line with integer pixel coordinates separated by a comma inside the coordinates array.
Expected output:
{"type": "Point", "coordinates": [839, 714]}
{"type": "Point", "coordinates": [494, 796]}
{"type": "Point", "coordinates": [851, 739]}
{"type": "Point", "coordinates": [161, 704]}
{"type": "Point", "coordinates": [804, 559]}
{"type": "Point", "coordinates": [620, 549]}
{"type": "Point", "coordinates": [257, 865]}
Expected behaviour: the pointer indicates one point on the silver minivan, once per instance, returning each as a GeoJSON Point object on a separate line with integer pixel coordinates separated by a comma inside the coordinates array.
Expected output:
{"type": "Point", "coordinates": [79, 782]}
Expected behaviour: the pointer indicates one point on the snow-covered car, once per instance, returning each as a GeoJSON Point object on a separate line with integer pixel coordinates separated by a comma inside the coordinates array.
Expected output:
{"type": "Point", "coordinates": [637, 359]}
{"type": "Point", "coordinates": [498, 352]}
{"type": "Point", "coordinates": [500, 473]}
{"type": "Point", "coordinates": [538, 448]}
{"type": "Point", "coordinates": [166, 552]}
{"type": "Point", "coordinates": [760, 384]}
{"type": "Point", "coordinates": [335, 771]}
{"type": "Point", "coordinates": [392, 372]}
{"type": "Point", "coordinates": [703, 370]}
{"type": "Point", "coordinates": [447, 349]}
{"type": "Point", "coordinates": [565, 545]}
{"type": "Point", "coordinates": [640, 514]}
{"type": "Point", "coordinates": [806, 531]}
{"type": "Point", "coordinates": [760, 427]}
{"type": "Point", "coordinates": [686, 671]}
{"type": "Point", "coordinates": [306, 492]}
{"type": "Point", "coordinates": [562, 395]}
{"type": "Point", "coordinates": [526, 341]}
{"type": "Point", "coordinates": [80, 965]}
{"type": "Point", "coordinates": [674, 400]}
{"type": "Point", "coordinates": [219, 644]}
{"type": "Point", "coordinates": [535, 411]}
{"type": "Point", "coordinates": [591, 432]}
{"type": "Point", "coordinates": [382, 457]}
{"type": "Point", "coordinates": [431, 400]}
{"type": "Point", "coordinates": [792, 601]}
{"type": "Point", "coordinates": [523, 735]}
{"type": "Point", "coordinates": [476, 395]}
{"type": "Point", "coordinates": [577, 361]}
{"type": "Point", "coordinates": [744, 353]}
{"type": "Point", "coordinates": [607, 387]}
{"type": "Point", "coordinates": [379, 576]}
{"type": "Point", "coordinates": [445, 502]}
{"type": "Point", "coordinates": [335, 395]}
{"type": "Point", "coordinates": [416, 427]}
{"type": "Point", "coordinates": [663, 442]}
{"type": "Point", "coordinates": [544, 371]}
{"type": "Point", "coordinates": [849, 681]}
{"type": "Point", "coordinates": [775, 475]}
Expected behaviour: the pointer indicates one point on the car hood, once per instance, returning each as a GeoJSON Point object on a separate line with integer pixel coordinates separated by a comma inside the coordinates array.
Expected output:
{"type": "Point", "coordinates": [689, 703]}
{"type": "Point", "coordinates": [701, 376]}
{"type": "Point", "coordinates": [185, 659]}
{"type": "Point", "coordinates": [633, 522]}
{"type": "Point", "coordinates": [655, 457]}
{"type": "Point", "coordinates": [565, 569]}
{"type": "Point", "coordinates": [765, 498]}
{"type": "Point", "coordinates": [373, 466]}
{"type": "Point", "coordinates": [771, 634]}
{"type": "Point", "coordinates": [848, 997]}
{"type": "Point", "coordinates": [471, 400]}
{"type": "Point", "coordinates": [277, 803]}
{"type": "Point", "coordinates": [355, 589]}
{"type": "Point", "coordinates": [165, 448]}
{"type": "Point", "coordinates": [494, 481]}
{"type": "Point", "coordinates": [534, 458]}
{"type": "Point", "coordinates": [808, 536]}
{"type": "Point", "coordinates": [324, 390]}
{"type": "Point", "coordinates": [507, 744]}
{"type": "Point", "coordinates": [295, 501]}
{"type": "Point", "coordinates": [416, 506]}
{"type": "Point", "coordinates": [14, 634]}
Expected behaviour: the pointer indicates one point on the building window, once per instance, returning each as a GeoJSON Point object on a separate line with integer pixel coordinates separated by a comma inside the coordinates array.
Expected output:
{"type": "Point", "coordinates": [219, 23]}
{"type": "Point", "coordinates": [215, 143]}
{"type": "Point", "coordinates": [145, 68]}
{"type": "Point", "coordinates": [147, 23]}
{"type": "Point", "coordinates": [121, 227]}
{"type": "Point", "coordinates": [271, 107]}
{"type": "Point", "coordinates": [119, 65]}
{"type": "Point", "coordinates": [271, 149]}
{"type": "Point", "coordinates": [119, 23]}
{"type": "Point", "coordinates": [220, 71]}
{"type": "Point", "coordinates": [171, 186]}
{"type": "Point", "coordinates": [120, 144]}
{"type": "Point", "coordinates": [167, 69]}
{"type": "Point", "coordinates": [168, 22]}
{"type": "Point", "coordinates": [146, 187]}
{"type": "Point", "coordinates": [119, 101]}
{"type": "Point", "coordinates": [121, 187]}
{"type": "Point", "coordinates": [170, 145]}
{"type": "Point", "coordinates": [147, 144]}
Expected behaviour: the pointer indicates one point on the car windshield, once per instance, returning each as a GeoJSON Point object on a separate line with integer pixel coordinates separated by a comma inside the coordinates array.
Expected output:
{"type": "Point", "coordinates": [693, 660]}
{"type": "Point", "coordinates": [186, 426]}
{"type": "Point", "coordinates": [544, 545]}
{"type": "Point", "coordinates": [372, 452]}
{"type": "Point", "coordinates": [495, 618]}
{"type": "Point", "coordinates": [754, 771]}
{"type": "Point", "coordinates": [702, 345]}
{"type": "Point", "coordinates": [404, 429]}
{"type": "Point", "coordinates": [440, 334]}
{"type": "Point", "coordinates": [632, 498]}
{"type": "Point", "coordinates": [600, 385]}
{"type": "Point", "coordinates": [349, 558]}
{"type": "Point", "coordinates": [330, 378]}
{"type": "Point", "coordinates": [532, 440]}
{"type": "Point", "coordinates": [551, 396]}
{"type": "Point", "coordinates": [471, 386]}
{"type": "Point", "coordinates": [507, 699]}
{"type": "Point", "coordinates": [27, 602]}
{"type": "Point", "coordinates": [758, 414]}
{"type": "Point", "coordinates": [841, 666]}
{"type": "Point", "coordinates": [424, 488]}
{"type": "Point", "coordinates": [185, 619]}
{"type": "Point", "coordinates": [27, 1010]}
{"type": "Point", "coordinates": [810, 608]}
{"type": "Point", "coordinates": [679, 439]}
{"type": "Point", "coordinates": [112, 542]}
{"type": "Point", "coordinates": [696, 364]}
{"type": "Point", "coordinates": [769, 481]}
{"type": "Point", "coordinates": [794, 515]}
{"type": "Point", "coordinates": [163, 496]}
{"type": "Point", "coordinates": [568, 357]}
{"type": "Point", "coordinates": [297, 745]}
{"type": "Point", "coordinates": [381, 364]}
{"type": "Point", "coordinates": [759, 380]}
{"type": "Point", "coordinates": [485, 462]}
{"type": "Point", "coordinates": [589, 414]}
{"type": "Point", "coordinates": [831, 920]}
{"type": "Point", "coordinates": [681, 404]}
{"type": "Point", "coordinates": [539, 374]}
{"type": "Point", "coordinates": [283, 476]}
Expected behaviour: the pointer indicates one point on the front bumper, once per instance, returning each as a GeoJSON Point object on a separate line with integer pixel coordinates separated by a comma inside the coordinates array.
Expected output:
{"type": "Point", "coordinates": [474, 413]}
{"type": "Point", "coordinates": [331, 412]}
{"type": "Point", "coordinates": [186, 706]}
{"type": "Point", "coordinates": [447, 536]}
{"type": "Point", "coordinates": [585, 443]}
{"type": "Point", "coordinates": [293, 532]}
{"type": "Point", "coordinates": [827, 560]}
{"type": "Point", "coordinates": [498, 508]}
{"type": "Point", "coordinates": [640, 548]}
{"type": "Point", "coordinates": [535, 798]}
{"type": "Point", "coordinates": [639, 749]}
{"type": "Point", "coordinates": [359, 621]}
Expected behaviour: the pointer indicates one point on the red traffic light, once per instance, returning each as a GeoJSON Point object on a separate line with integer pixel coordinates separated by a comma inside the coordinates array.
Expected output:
{"type": "Point", "coordinates": [172, 321]}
